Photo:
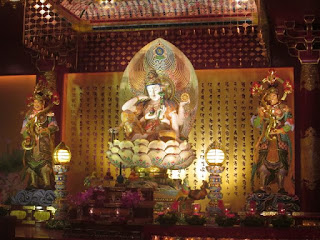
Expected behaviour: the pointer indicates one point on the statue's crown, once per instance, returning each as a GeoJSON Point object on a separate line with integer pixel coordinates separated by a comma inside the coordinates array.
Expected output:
{"type": "Point", "coordinates": [152, 78]}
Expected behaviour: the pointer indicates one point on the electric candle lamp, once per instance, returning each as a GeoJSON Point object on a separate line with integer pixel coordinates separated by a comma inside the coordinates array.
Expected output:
{"type": "Point", "coordinates": [196, 209]}
{"type": "Point", "coordinates": [214, 157]}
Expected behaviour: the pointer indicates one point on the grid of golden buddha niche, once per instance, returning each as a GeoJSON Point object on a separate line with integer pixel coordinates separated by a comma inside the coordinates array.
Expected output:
{"type": "Point", "coordinates": [224, 112]}
{"type": "Point", "coordinates": [91, 109]}
{"type": "Point", "coordinates": [225, 107]}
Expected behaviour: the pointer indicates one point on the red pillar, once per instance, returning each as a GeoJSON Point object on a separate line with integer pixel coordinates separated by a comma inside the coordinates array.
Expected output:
{"type": "Point", "coordinates": [300, 44]}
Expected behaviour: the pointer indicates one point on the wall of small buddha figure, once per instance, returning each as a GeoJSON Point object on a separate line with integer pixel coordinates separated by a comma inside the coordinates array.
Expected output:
{"type": "Point", "coordinates": [91, 107]}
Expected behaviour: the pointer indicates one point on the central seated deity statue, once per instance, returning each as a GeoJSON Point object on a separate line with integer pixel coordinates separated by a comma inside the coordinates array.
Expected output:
{"type": "Point", "coordinates": [158, 99]}
{"type": "Point", "coordinates": [153, 116]}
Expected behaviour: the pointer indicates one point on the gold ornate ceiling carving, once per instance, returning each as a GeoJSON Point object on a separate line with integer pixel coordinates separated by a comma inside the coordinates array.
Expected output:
{"type": "Point", "coordinates": [51, 37]}
{"type": "Point", "coordinates": [100, 15]}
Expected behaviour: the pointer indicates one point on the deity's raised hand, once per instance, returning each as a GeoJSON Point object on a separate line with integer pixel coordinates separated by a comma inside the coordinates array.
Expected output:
{"type": "Point", "coordinates": [161, 111]}
{"type": "Point", "coordinates": [184, 103]}
{"type": "Point", "coordinates": [185, 99]}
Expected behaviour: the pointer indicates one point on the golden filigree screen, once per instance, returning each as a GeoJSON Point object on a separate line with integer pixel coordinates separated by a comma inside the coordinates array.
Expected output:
{"type": "Point", "coordinates": [224, 112]}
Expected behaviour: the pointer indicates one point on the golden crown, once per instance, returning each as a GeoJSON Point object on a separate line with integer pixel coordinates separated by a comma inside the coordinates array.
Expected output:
{"type": "Point", "coordinates": [152, 78]}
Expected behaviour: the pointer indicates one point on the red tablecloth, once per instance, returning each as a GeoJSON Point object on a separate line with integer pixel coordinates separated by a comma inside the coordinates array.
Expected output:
{"type": "Point", "coordinates": [232, 232]}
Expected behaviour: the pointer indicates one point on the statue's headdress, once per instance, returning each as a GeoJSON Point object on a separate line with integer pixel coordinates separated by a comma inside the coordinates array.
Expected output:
{"type": "Point", "coordinates": [40, 96]}
{"type": "Point", "coordinates": [270, 84]}
{"type": "Point", "coordinates": [273, 89]}
{"type": "Point", "coordinates": [152, 78]}
{"type": "Point", "coordinates": [45, 89]}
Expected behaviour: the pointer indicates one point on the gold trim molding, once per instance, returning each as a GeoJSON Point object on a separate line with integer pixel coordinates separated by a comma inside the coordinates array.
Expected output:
{"type": "Point", "coordinates": [309, 77]}
{"type": "Point", "coordinates": [310, 158]}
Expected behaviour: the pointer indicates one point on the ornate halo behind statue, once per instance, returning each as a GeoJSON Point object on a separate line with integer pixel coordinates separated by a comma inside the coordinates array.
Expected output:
{"type": "Point", "coordinates": [158, 99]}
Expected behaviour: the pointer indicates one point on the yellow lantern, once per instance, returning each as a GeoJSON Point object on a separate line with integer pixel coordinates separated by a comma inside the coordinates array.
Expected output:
{"type": "Point", "coordinates": [62, 154]}
{"type": "Point", "coordinates": [214, 155]}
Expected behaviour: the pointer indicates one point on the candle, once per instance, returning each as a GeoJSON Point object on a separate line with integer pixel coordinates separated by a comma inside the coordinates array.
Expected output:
{"type": "Point", "coordinates": [252, 212]}
{"type": "Point", "coordinates": [281, 209]}
{"type": "Point", "coordinates": [91, 211]}
{"type": "Point", "coordinates": [117, 212]}
{"type": "Point", "coordinates": [196, 208]}
{"type": "Point", "coordinates": [252, 207]}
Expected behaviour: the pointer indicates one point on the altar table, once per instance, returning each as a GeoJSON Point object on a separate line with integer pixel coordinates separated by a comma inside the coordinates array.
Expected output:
{"type": "Point", "coordinates": [177, 232]}
{"type": "Point", "coordinates": [186, 231]}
